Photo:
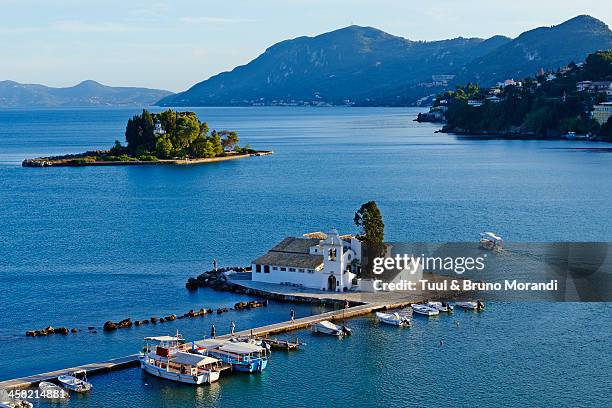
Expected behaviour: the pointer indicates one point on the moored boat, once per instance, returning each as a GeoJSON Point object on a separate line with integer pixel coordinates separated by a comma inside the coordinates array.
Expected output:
{"type": "Point", "coordinates": [168, 357]}
{"type": "Point", "coordinates": [52, 391]}
{"type": "Point", "coordinates": [74, 383]}
{"type": "Point", "coordinates": [470, 305]}
{"type": "Point", "coordinates": [394, 319]}
{"type": "Point", "coordinates": [243, 356]}
{"type": "Point", "coordinates": [491, 241]}
{"type": "Point", "coordinates": [441, 306]}
{"type": "Point", "coordinates": [16, 404]}
{"type": "Point", "coordinates": [327, 327]}
{"type": "Point", "coordinates": [425, 310]}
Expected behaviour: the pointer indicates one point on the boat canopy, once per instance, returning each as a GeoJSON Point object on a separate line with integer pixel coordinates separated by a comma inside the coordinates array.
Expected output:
{"type": "Point", "coordinates": [163, 338]}
{"type": "Point", "coordinates": [241, 348]}
{"type": "Point", "coordinates": [211, 343]}
{"type": "Point", "coordinates": [194, 360]}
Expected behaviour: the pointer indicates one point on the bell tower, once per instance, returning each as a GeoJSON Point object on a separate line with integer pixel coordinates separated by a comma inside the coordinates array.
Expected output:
{"type": "Point", "coordinates": [333, 265]}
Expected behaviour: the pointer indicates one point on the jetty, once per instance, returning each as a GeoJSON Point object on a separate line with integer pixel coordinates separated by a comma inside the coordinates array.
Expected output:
{"type": "Point", "coordinates": [360, 304]}
{"type": "Point", "coordinates": [259, 332]}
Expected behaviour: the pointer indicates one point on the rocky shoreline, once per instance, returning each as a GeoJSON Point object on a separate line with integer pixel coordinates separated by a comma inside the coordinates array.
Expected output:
{"type": "Point", "coordinates": [217, 280]}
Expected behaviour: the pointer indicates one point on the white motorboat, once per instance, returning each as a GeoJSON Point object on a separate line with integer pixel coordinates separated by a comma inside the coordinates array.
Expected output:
{"type": "Point", "coordinates": [52, 391]}
{"type": "Point", "coordinates": [327, 327]}
{"type": "Point", "coordinates": [491, 241]}
{"type": "Point", "coordinates": [16, 404]}
{"type": "Point", "coordinates": [394, 319]}
{"type": "Point", "coordinates": [441, 306]}
{"type": "Point", "coordinates": [478, 305]}
{"type": "Point", "coordinates": [74, 383]}
{"type": "Point", "coordinates": [168, 357]}
{"type": "Point", "coordinates": [425, 310]}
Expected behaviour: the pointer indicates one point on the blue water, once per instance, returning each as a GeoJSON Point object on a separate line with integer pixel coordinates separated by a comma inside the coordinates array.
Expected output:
{"type": "Point", "coordinates": [79, 246]}
{"type": "Point", "coordinates": [486, 361]}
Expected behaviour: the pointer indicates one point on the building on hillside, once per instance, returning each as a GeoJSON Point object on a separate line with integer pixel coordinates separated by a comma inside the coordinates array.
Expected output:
{"type": "Point", "coordinates": [602, 112]}
{"type": "Point", "coordinates": [325, 261]}
{"type": "Point", "coordinates": [475, 102]}
{"type": "Point", "coordinates": [509, 82]}
{"type": "Point", "coordinates": [594, 86]}
{"type": "Point", "coordinates": [159, 130]}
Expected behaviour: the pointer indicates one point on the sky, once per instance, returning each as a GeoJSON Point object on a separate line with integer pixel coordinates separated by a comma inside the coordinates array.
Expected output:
{"type": "Point", "coordinates": [175, 44]}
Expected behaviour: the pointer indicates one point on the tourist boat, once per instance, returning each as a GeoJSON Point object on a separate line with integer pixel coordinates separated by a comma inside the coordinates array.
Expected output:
{"type": "Point", "coordinates": [168, 357]}
{"type": "Point", "coordinates": [425, 310]}
{"type": "Point", "coordinates": [441, 306]}
{"type": "Point", "coordinates": [394, 319]}
{"type": "Point", "coordinates": [491, 241]}
{"type": "Point", "coordinates": [243, 356]}
{"type": "Point", "coordinates": [327, 327]}
{"type": "Point", "coordinates": [52, 391]}
{"type": "Point", "coordinates": [74, 383]}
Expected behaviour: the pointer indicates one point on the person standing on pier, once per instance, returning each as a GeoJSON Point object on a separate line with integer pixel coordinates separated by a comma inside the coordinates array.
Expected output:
{"type": "Point", "coordinates": [213, 331]}
{"type": "Point", "coordinates": [232, 327]}
{"type": "Point", "coordinates": [292, 314]}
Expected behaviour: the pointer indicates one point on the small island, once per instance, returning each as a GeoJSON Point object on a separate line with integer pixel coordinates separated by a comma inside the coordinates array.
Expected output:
{"type": "Point", "coordinates": [169, 137]}
{"type": "Point", "coordinates": [572, 103]}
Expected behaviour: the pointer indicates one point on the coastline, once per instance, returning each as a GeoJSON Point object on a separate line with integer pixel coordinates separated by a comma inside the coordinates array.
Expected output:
{"type": "Point", "coordinates": [73, 160]}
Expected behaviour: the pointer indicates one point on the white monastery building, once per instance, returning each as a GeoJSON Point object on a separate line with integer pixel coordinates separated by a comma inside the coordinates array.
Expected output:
{"type": "Point", "coordinates": [324, 261]}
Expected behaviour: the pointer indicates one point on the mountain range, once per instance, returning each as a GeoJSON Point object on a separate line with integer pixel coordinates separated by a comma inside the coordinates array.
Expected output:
{"type": "Point", "coordinates": [85, 94]}
{"type": "Point", "coordinates": [366, 66]}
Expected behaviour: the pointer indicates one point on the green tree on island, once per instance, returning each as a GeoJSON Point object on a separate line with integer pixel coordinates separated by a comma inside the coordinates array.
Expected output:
{"type": "Point", "coordinates": [175, 134]}
{"type": "Point", "coordinates": [370, 220]}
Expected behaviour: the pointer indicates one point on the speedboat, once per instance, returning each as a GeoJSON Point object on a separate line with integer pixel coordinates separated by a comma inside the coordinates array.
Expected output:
{"type": "Point", "coordinates": [467, 305]}
{"type": "Point", "coordinates": [478, 305]}
{"type": "Point", "coordinates": [491, 241]}
{"type": "Point", "coordinates": [327, 327]}
{"type": "Point", "coordinates": [394, 319]}
{"type": "Point", "coordinates": [441, 306]}
{"type": "Point", "coordinates": [74, 383]}
{"type": "Point", "coordinates": [425, 310]}
{"type": "Point", "coordinates": [52, 391]}
{"type": "Point", "coordinates": [168, 357]}
{"type": "Point", "coordinates": [243, 356]}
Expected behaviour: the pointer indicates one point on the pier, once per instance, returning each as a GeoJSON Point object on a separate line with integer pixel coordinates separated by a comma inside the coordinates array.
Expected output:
{"type": "Point", "coordinates": [361, 304]}
{"type": "Point", "coordinates": [277, 328]}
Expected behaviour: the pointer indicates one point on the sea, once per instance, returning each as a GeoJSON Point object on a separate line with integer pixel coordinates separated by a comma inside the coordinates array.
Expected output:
{"type": "Point", "coordinates": [80, 246]}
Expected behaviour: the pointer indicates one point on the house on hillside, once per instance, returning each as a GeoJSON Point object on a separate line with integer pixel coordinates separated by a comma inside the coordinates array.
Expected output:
{"type": "Point", "coordinates": [602, 112]}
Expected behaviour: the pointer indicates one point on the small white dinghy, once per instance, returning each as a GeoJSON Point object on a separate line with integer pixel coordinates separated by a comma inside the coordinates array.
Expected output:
{"type": "Point", "coordinates": [441, 306]}
{"type": "Point", "coordinates": [74, 383]}
{"type": "Point", "coordinates": [16, 404]}
{"type": "Point", "coordinates": [394, 319]}
{"type": "Point", "coordinates": [327, 327]}
{"type": "Point", "coordinates": [425, 310]}
{"type": "Point", "coordinates": [52, 391]}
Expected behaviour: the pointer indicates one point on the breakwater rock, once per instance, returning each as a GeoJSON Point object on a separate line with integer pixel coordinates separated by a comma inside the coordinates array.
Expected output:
{"type": "Point", "coordinates": [250, 305]}
{"type": "Point", "coordinates": [50, 330]}
{"type": "Point", "coordinates": [216, 280]}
